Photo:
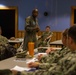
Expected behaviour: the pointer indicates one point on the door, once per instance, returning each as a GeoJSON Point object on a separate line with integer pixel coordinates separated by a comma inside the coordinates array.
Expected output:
{"type": "Point", "coordinates": [9, 21]}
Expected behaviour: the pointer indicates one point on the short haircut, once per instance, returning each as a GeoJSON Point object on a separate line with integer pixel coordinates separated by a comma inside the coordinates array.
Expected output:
{"type": "Point", "coordinates": [48, 27]}
{"type": "Point", "coordinates": [35, 10]}
{"type": "Point", "coordinates": [72, 33]}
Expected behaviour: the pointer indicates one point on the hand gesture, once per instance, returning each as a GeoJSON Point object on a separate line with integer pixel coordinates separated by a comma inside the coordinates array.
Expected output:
{"type": "Point", "coordinates": [33, 64]}
{"type": "Point", "coordinates": [39, 57]}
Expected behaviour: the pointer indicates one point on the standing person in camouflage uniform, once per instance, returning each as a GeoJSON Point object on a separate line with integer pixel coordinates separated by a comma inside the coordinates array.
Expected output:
{"type": "Point", "coordinates": [44, 40]}
{"type": "Point", "coordinates": [31, 29]}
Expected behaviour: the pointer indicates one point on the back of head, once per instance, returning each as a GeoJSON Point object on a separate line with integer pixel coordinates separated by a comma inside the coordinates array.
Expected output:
{"type": "Point", "coordinates": [72, 33]}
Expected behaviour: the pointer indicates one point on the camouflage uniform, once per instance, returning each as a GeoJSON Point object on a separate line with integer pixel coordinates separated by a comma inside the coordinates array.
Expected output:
{"type": "Point", "coordinates": [68, 63]}
{"type": "Point", "coordinates": [47, 71]}
{"type": "Point", "coordinates": [6, 50]}
{"type": "Point", "coordinates": [54, 56]}
{"type": "Point", "coordinates": [30, 32]}
{"type": "Point", "coordinates": [65, 66]}
{"type": "Point", "coordinates": [41, 50]}
{"type": "Point", "coordinates": [42, 41]}
{"type": "Point", "coordinates": [3, 42]}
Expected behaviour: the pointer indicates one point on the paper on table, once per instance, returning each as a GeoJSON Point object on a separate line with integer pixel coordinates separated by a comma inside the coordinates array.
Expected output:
{"type": "Point", "coordinates": [45, 54]}
{"type": "Point", "coordinates": [18, 68]}
{"type": "Point", "coordinates": [31, 60]}
{"type": "Point", "coordinates": [42, 53]}
{"type": "Point", "coordinates": [35, 58]}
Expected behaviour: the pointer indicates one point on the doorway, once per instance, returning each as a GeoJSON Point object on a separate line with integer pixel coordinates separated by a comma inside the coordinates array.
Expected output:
{"type": "Point", "coordinates": [9, 21]}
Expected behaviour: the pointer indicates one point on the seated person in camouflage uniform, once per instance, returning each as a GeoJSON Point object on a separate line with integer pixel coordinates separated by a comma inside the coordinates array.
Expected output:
{"type": "Point", "coordinates": [5, 48]}
{"type": "Point", "coordinates": [45, 37]}
{"type": "Point", "coordinates": [56, 54]}
{"type": "Point", "coordinates": [3, 41]}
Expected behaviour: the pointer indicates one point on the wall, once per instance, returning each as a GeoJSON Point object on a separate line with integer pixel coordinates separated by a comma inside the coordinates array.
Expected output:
{"type": "Point", "coordinates": [56, 35]}
{"type": "Point", "coordinates": [59, 12]}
